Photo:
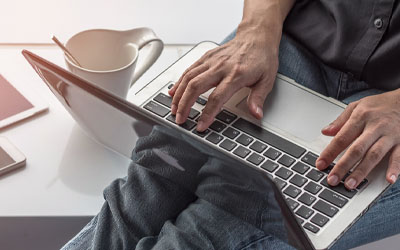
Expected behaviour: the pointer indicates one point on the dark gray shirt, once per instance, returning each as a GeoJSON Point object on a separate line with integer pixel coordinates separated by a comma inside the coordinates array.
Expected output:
{"type": "Point", "coordinates": [360, 37]}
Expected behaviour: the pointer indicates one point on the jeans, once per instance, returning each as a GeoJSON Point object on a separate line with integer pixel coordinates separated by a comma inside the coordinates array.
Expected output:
{"type": "Point", "coordinates": [157, 206]}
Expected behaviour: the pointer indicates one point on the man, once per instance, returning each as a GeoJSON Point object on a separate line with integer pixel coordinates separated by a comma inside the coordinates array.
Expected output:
{"type": "Point", "coordinates": [345, 49]}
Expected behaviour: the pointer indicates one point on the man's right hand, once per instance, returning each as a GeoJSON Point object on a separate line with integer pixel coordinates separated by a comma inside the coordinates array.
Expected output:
{"type": "Point", "coordinates": [249, 60]}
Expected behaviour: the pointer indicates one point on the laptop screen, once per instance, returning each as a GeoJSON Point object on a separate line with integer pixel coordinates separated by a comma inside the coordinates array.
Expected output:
{"type": "Point", "coordinates": [243, 191]}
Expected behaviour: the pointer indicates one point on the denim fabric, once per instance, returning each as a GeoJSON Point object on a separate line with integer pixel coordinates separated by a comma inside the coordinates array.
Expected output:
{"type": "Point", "coordinates": [158, 206]}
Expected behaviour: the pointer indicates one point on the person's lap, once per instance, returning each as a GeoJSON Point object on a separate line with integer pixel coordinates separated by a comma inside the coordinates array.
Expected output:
{"type": "Point", "coordinates": [159, 207]}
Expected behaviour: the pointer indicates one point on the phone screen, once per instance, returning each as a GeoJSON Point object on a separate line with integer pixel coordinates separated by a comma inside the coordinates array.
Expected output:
{"type": "Point", "coordinates": [5, 159]}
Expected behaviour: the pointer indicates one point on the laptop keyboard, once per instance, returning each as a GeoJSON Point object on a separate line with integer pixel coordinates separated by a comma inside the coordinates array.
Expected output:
{"type": "Point", "coordinates": [291, 166]}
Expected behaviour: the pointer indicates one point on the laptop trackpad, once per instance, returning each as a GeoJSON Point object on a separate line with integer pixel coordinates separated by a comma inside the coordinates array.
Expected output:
{"type": "Point", "coordinates": [296, 111]}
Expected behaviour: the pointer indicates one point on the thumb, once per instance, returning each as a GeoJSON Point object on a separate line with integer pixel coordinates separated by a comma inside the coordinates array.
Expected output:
{"type": "Point", "coordinates": [333, 128]}
{"type": "Point", "coordinates": [256, 98]}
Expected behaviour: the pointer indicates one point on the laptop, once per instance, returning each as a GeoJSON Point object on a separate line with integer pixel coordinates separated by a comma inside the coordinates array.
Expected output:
{"type": "Point", "coordinates": [280, 150]}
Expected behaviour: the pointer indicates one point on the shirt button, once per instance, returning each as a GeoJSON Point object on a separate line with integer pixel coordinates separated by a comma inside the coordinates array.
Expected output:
{"type": "Point", "coordinates": [378, 23]}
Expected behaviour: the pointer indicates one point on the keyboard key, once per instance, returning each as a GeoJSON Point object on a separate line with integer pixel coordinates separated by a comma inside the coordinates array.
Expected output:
{"type": "Point", "coordinates": [325, 208]}
{"type": "Point", "coordinates": [188, 124]}
{"type": "Point", "coordinates": [362, 184]}
{"type": "Point", "coordinates": [193, 114]}
{"type": "Point", "coordinates": [333, 198]}
{"type": "Point", "coordinates": [284, 173]}
{"type": "Point", "coordinates": [292, 204]}
{"type": "Point", "coordinates": [217, 126]}
{"type": "Point", "coordinates": [307, 199]}
{"type": "Point", "coordinates": [201, 134]}
{"type": "Point", "coordinates": [231, 133]}
{"type": "Point", "coordinates": [286, 160]}
{"type": "Point", "coordinates": [340, 188]}
{"type": "Point", "coordinates": [226, 116]}
{"type": "Point", "coordinates": [319, 220]}
{"type": "Point", "coordinates": [299, 220]}
{"type": "Point", "coordinates": [315, 175]}
{"type": "Point", "coordinates": [292, 191]}
{"type": "Point", "coordinates": [228, 144]}
{"type": "Point", "coordinates": [312, 187]}
{"type": "Point", "coordinates": [156, 108]}
{"type": "Point", "coordinates": [298, 180]}
{"type": "Point", "coordinates": [272, 153]}
{"type": "Point", "coordinates": [269, 138]}
{"type": "Point", "coordinates": [170, 86]}
{"type": "Point", "coordinates": [214, 138]}
{"type": "Point", "coordinates": [270, 166]}
{"type": "Point", "coordinates": [311, 227]}
{"type": "Point", "coordinates": [281, 184]}
{"type": "Point", "coordinates": [300, 168]}
{"type": "Point", "coordinates": [258, 146]}
{"type": "Point", "coordinates": [244, 139]}
{"type": "Point", "coordinates": [304, 212]}
{"type": "Point", "coordinates": [310, 158]}
{"type": "Point", "coordinates": [328, 169]}
{"type": "Point", "coordinates": [255, 158]}
{"type": "Point", "coordinates": [163, 99]}
{"type": "Point", "coordinates": [201, 101]}
{"type": "Point", "coordinates": [241, 151]}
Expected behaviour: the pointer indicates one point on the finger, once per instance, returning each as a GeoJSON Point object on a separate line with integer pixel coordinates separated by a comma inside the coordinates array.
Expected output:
{"type": "Point", "coordinates": [172, 91]}
{"type": "Point", "coordinates": [394, 165]}
{"type": "Point", "coordinates": [195, 87]}
{"type": "Point", "coordinates": [333, 128]}
{"type": "Point", "coordinates": [216, 100]}
{"type": "Point", "coordinates": [182, 85]}
{"type": "Point", "coordinates": [374, 155]}
{"type": "Point", "coordinates": [350, 131]}
{"type": "Point", "coordinates": [257, 96]}
{"type": "Point", "coordinates": [354, 154]}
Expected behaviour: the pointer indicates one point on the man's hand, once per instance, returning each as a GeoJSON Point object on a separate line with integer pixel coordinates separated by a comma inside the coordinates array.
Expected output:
{"type": "Point", "coordinates": [249, 60]}
{"type": "Point", "coordinates": [370, 128]}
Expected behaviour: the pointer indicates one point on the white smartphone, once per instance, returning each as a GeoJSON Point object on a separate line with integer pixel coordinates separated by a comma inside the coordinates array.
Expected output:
{"type": "Point", "coordinates": [10, 157]}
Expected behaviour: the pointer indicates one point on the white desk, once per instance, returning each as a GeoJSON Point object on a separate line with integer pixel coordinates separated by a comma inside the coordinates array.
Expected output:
{"type": "Point", "coordinates": [61, 187]}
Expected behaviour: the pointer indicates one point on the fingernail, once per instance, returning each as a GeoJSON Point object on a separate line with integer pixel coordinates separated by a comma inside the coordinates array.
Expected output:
{"type": "Point", "coordinates": [329, 127]}
{"type": "Point", "coordinates": [320, 164]}
{"type": "Point", "coordinates": [351, 183]}
{"type": "Point", "coordinates": [173, 108]}
{"type": "Point", "coordinates": [259, 112]}
{"type": "Point", "coordinates": [393, 178]}
{"type": "Point", "coordinates": [178, 118]}
{"type": "Point", "coordinates": [200, 126]}
{"type": "Point", "coordinates": [333, 180]}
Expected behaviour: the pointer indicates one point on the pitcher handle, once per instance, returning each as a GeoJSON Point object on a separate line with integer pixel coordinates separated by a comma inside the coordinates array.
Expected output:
{"type": "Point", "coordinates": [141, 37]}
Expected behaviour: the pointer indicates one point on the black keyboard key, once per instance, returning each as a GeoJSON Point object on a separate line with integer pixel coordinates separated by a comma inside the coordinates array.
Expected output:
{"type": "Point", "coordinates": [362, 184]}
{"type": "Point", "coordinates": [163, 99]}
{"type": "Point", "coordinates": [319, 220]}
{"type": "Point", "coordinates": [292, 191]}
{"type": "Point", "coordinates": [217, 126]}
{"type": "Point", "coordinates": [241, 151]}
{"type": "Point", "coordinates": [214, 138]}
{"type": "Point", "coordinates": [231, 133]}
{"type": "Point", "coordinates": [300, 168]}
{"type": "Point", "coordinates": [244, 139]}
{"type": "Point", "coordinates": [270, 166]}
{"type": "Point", "coordinates": [281, 184]}
{"type": "Point", "coordinates": [304, 212]}
{"type": "Point", "coordinates": [193, 114]}
{"type": "Point", "coordinates": [310, 158]}
{"type": "Point", "coordinates": [315, 175]}
{"type": "Point", "coordinates": [226, 116]}
{"type": "Point", "coordinates": [201, 101]}
{"type": "Point", "coordinates": [228, 144]}
{"type": "Point", "coordinates": [328, 169]}
{"type": "Point", "coordinates": [325, 208]}
{"type": "Point", "coordinates": [201, 134]}
{"type": "Point", "coordinates": [272, 153]}
{"type": "Point", "coordinates": [284, 173]}
{"type": "Point", "coordinates": [313, 187]}
{"type": "Point", "coordinates": [333, 198]}
{"type": "Point", "coordinates": [156, 108]}
{"type": "Point", "coordinates": [188, 124]}
{"type": "Point", "coordinates": [292, 204]}
{"type": "Point", "coordinates": [299, 220]}
{"type": "Point", "coordinates": [255, 158]}
{"type": "Point", "coordinates": [170, 86]}
{"type": "Point", "coordinates": [311, 227]}
{"type": "Point", "coordinates": [286, 160]}
{"type": "Point", "coordinates": [307, 199]}
{"type": "Point", "coordinates": [269, 138]}
{"type": "Point", "coordinates": [340, 188]}
{"type": "Point", "coordinates": [298, 180]}
{"type": "Point", "coordinates": [258, 146]}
